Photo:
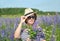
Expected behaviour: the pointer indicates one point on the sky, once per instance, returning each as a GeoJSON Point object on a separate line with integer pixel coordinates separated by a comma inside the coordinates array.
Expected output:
{"type": "Point", "coordinates": [43, 5]}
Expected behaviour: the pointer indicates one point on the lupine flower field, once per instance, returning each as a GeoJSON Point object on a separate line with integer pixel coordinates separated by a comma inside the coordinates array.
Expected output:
{"type": "Point", "coordinates": [49, 23]}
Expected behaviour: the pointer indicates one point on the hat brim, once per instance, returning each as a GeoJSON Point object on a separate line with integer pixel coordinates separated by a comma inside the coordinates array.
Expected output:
{"type": "Point", "coordinates": [29, 14]}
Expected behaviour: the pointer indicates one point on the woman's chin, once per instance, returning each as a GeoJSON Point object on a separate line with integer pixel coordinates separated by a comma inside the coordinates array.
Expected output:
{"type": "Point", "coordinates": [31, 23]}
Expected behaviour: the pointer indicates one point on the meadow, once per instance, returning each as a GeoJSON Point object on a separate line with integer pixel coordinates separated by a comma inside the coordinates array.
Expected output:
{"type": "Point", "coordinates": [10, 18]}
{"type": "Point", "coordinates": [49, 23]}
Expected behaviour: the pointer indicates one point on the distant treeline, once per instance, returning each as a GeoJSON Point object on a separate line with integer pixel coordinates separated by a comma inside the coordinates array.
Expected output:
{"type": "Point", "coordinates": [14, 11]}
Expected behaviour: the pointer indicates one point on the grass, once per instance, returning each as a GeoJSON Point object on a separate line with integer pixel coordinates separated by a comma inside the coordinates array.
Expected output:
{"type": "Point", "coordinates": [47, 29]}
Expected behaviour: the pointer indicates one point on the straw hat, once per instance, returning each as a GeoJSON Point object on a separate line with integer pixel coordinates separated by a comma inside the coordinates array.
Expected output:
{"type": "Point", "coordinates": [28, 12]}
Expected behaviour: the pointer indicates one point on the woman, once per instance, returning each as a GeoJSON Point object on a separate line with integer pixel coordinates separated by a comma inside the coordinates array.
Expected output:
{"type": "Point", "coordinates": [29, 18]}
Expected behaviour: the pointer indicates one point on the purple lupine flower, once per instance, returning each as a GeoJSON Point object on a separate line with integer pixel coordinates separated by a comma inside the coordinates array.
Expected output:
{"type": "Point", "coordinates": [35, 26]}
{"type": "Point", "coordinates": [2, 33]}
{"type": "Point", "coordinates": [58, 19]}
{"type": "Point", "coordinates": [55, 19]}
{"type": "Point", "coordinates": [49, 20]}
{"type": "Point", "coordinates": [39, 28]}
{"type": "Point", "coordinates": [16, 23]}
{"type": "Point", "coordinates": [8, 22]}
{"type": "Point", "coordinates": [11, 36]}
{"type": "Point", "coordinates": [0, 24]}
{"type": "Point", "coordinates": [37, 38]}
{"type": "Point", "coordinates": [40, 20]}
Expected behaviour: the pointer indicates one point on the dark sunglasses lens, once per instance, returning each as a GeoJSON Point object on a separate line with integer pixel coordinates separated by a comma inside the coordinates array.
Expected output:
{"type": "Point", "coordinates": [31, 17]}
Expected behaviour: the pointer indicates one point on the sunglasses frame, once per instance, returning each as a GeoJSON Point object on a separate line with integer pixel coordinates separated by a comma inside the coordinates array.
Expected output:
{"type": "Point", "coordinates": [29, 17]}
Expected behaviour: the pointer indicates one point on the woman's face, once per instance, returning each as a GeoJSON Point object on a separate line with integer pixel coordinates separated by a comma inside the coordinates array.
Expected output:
{"type": "Point", "coordinates": [30, 19]}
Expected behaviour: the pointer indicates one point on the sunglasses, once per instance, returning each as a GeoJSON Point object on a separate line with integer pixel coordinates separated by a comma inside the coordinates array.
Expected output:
{"type": "Point", "coordinates": [31, 17]}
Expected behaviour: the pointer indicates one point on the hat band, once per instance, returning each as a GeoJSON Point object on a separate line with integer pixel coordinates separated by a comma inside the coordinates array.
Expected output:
{"type": "Point", "coordinates": [29, 13]}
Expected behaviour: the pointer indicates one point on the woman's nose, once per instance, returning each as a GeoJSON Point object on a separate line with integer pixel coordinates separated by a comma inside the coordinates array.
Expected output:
{"type": "Point", "coordinates": [31, 18]}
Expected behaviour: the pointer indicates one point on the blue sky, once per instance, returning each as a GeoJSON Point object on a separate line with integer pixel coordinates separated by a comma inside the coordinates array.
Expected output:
{"type": "Point", "coordinates": [44, 5]}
